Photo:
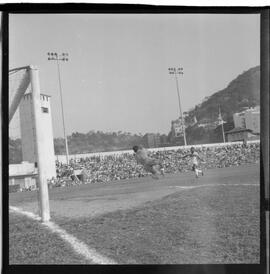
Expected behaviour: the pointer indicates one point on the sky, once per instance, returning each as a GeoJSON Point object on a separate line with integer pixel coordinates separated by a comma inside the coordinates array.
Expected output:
{"type": "Point", "coordinates": [117, 76]}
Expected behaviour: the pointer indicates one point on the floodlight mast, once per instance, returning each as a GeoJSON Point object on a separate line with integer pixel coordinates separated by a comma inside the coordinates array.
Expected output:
{"type": "Point", "coordinates": [179, 71]}
{"type": "Point", "coordinates": [53, 56]}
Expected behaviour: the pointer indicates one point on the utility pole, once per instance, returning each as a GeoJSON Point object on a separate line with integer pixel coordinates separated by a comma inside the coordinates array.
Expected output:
{"type": "Point", "coordinates": [63, 57]}
{"type": "Point", "coordinates": [221, 122]}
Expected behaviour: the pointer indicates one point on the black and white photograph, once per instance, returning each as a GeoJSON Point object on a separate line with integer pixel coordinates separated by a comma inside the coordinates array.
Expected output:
{"type": "Point", "coordinates": [134, 138]}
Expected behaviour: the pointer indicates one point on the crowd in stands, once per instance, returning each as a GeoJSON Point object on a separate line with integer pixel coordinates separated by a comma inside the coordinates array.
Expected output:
{"type": "Point", "coordinates": [118, 167]}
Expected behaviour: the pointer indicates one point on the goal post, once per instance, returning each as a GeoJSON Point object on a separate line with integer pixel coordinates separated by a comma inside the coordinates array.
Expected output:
{"type": "Point", "coordinates": [30, 79]}
{"type": "Point", "coordinates": [43, 186]}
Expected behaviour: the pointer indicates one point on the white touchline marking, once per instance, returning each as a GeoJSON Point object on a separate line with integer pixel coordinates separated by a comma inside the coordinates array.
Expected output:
{"type": "Point", "coordinates": [78, 246]}
{"type": "Point", "coordinates": [81, 248]}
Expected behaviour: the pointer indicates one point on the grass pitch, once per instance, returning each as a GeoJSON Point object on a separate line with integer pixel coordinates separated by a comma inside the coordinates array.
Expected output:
{"type": "Point", "coordinates": [209, 225]}
{"type": "Point", "coordinates": [30, 243]}
{"type": "Point", "coordinates": [156, 222]}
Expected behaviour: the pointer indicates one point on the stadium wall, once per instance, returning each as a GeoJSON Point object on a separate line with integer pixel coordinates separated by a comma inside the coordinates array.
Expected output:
{"type": "Point", "coordinates": [62, 158]}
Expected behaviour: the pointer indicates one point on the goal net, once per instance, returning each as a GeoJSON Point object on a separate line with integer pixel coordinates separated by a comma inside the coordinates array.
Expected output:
{"type": "Point", "coordinates": [19, 84]}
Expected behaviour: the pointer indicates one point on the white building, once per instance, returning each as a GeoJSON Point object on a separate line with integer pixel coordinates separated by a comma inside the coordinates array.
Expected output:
{"type": "Point", "coordinates": [239, 120]}
{"type": "Point", "coordinates": [252, 117]}
{"type": "Point", "coordinates": [249, 119]}
{"type": "Point", "coordinates": [28, 133]}
{"type": "Point", "coordinates": [22, 176]}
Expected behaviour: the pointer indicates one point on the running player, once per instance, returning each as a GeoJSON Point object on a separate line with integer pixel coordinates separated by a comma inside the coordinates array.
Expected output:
{"type": "Point", "coordinates": [150, 164]}
{"type": "Point", "coordinates": [194, 158]}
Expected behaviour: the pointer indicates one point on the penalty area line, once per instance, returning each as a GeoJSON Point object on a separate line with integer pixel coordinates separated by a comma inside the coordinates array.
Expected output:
{"type": "Point", "coordinates": [191, 187]}
{"type": "Point", "coordinates": [78, 246]}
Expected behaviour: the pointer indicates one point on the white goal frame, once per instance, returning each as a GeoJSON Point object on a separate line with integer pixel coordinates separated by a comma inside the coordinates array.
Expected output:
{"type": "Point", "coordinates": [31, 77]}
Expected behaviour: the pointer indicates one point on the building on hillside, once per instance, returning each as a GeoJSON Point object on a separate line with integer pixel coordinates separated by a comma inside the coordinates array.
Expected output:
{"type": "Point", "coordinates": [22, 176]}
{"type": "Point", "coordinates": [28, 133]}
{"type": "Point", "coordinates": [211, 125]}
{"type": "Point", "coordinates": [164, 140]}
{"type": "Point", "coordinates": [206, 123]}
{"type": "Point", "coordinates": [151, 140]}
{"type": "Point", "coordinates": [253, 120]}
{"type": "Point", "coordinates": [248, 119]}
{"type": "Point", "coordinates": [177, 131]}
{"type": "Point", "coordinates": [241, 134]}
{"type": "Point", "coordinates": [239, 120]}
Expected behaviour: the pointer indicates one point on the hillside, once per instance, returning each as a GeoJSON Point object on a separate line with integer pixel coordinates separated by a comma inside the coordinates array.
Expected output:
{"type": "Point", "coordinates": [244, 91]}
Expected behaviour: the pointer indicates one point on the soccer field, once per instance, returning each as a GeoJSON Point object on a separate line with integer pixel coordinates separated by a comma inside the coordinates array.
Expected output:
{"type": "Point", "coordinates": [175, 220]}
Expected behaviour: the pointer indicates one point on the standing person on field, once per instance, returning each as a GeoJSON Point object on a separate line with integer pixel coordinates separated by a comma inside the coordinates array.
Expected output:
{"type": "Point", "coordinates": [194, 158]}
{"type": "Point", "coordinates": [150, 164]}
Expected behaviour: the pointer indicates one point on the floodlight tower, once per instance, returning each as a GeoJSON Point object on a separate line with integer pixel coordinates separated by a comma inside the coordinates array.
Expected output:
{"type": "Point", "coordinates": [176, 72]}
{"type": "Point", "coordinates": [60, 57]}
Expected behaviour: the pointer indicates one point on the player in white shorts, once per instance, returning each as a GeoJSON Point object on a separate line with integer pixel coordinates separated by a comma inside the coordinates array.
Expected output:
{"type": "Point", "coordinates": [194, 159]}
{"type": "Point", "coordinates": [150, 164]}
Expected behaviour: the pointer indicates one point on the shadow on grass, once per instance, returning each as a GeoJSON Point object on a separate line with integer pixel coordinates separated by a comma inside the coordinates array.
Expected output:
{"type": "Point", "coordinates": [209, 225]}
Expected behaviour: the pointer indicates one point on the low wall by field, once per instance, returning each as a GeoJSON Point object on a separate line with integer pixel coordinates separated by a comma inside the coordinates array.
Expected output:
{"type": "Point", "coordinates": [62, 158]}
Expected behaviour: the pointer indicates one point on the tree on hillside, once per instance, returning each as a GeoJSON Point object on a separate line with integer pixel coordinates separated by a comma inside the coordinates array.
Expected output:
{"type": "Point", "coordinates": [15, 151]}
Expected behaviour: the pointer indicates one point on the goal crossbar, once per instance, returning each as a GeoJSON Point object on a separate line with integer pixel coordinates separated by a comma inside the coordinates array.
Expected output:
{"type": "Point", "coordinates": [20, 90]}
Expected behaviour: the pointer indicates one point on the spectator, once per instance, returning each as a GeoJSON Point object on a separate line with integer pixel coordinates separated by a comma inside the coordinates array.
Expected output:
{"type": "Point", "coordinates": [118, 167]}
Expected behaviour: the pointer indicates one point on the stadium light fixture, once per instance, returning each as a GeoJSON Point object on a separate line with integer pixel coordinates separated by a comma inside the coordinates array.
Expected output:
{"type": "Point", "coordinates": [176, 72]}
{"type": "Point", "coordinates": [61, 57]}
